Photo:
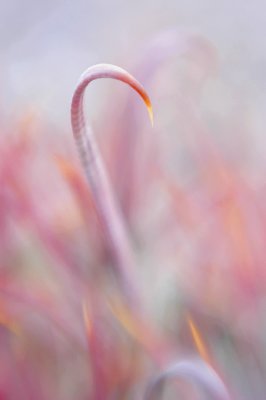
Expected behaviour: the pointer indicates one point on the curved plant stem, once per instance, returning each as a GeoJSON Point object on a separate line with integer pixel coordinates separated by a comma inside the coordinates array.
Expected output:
{"type": "Point", "coordinates": [95, 171]}
{"type": "Point", "coordinates": [194, 371]}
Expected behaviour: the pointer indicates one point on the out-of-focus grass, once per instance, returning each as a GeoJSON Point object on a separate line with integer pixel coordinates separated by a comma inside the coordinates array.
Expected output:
{"type": "Point", "coordinates": [193, 204]}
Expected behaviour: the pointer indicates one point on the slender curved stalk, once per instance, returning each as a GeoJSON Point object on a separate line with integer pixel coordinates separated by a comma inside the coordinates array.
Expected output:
{"type": "Point", "coordinates": [95, 171]}
{"type": "Point", "coordinates": [195, 371]}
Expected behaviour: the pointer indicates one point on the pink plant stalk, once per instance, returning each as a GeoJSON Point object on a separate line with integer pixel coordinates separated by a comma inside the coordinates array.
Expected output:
{"type": "Point", "coordinates": [95, 171]}
{"type": "Point", "coordinates": [195, 371]}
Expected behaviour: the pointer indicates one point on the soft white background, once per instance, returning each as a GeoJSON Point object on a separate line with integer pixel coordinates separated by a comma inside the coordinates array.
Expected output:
{"type": "Point", "coordinates": [46, 44]}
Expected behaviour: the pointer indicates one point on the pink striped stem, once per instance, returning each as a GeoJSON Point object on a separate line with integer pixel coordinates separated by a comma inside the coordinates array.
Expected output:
{"type": "Point", "coordinates": [105, 201]}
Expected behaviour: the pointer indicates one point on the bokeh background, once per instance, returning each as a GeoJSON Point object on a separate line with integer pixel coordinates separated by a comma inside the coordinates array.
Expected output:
{"type": "Point", "coordinates": [191, 192]}
{"type": "Point", "coordinates": [51, 42]}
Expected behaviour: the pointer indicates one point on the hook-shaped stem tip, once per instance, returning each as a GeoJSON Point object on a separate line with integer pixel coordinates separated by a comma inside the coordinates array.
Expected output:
{"type": "Point", "coordinates": [99, 71]}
